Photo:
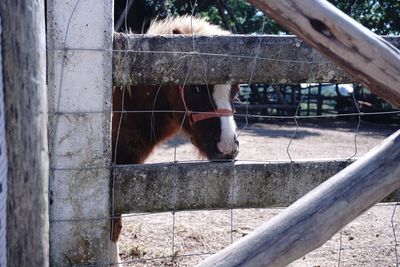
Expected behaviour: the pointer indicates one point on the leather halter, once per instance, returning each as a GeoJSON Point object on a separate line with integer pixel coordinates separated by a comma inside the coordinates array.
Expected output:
{"type": "Point", "coordinates": [200, 116]}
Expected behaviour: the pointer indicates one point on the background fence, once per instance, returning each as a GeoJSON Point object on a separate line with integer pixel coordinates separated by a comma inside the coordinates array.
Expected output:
{"type": "Point", "coordinates": [316, 100]}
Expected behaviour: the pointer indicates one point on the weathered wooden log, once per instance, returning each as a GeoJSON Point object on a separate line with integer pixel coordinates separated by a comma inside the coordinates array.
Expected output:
{"type": "Point", "coordinates": [3, 170]}
{"type": "Point", "coordinates": [24, 70]}
{"type": "Point", "coordinates": [220, 59]}
{"type": "Point", "coordinates": [363, 55]}
{"type": "Point", "coordinates": [317, 216]}
{"type": "Point", "coordinates": [189, 186]}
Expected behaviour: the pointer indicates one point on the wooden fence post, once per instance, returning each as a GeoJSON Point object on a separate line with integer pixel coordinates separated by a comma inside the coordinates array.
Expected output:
{"type": "Point", "coordinates": [24, 70]}
{"type": "Point", "coordinates": [3, 171]}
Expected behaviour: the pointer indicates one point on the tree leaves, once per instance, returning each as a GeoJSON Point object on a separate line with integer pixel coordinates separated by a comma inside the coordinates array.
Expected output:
{"type": "Point", "coordinates": [239, 16]}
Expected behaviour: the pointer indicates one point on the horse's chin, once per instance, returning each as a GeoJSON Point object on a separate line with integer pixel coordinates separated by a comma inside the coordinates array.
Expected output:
{"type": "Point", "coordinates": [213, 155]}
{"type": "Point", "coordinates": [219, 157]}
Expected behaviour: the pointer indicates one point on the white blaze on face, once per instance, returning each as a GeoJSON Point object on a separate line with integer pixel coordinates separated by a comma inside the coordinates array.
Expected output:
{"type": "Point", "coordinates": [221, 97]}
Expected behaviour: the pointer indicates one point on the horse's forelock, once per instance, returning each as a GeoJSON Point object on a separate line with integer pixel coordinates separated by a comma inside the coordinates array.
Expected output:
{"type": "Point", "coordinates": [185, 25]}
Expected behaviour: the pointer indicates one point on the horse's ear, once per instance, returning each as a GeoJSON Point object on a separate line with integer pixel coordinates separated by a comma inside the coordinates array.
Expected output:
{"type": "Point", "coordinates": [176, 31]}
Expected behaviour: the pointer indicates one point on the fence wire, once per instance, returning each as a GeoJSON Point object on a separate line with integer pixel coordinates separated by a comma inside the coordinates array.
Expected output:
{"type": "Point", "coordinates": [198, 234]}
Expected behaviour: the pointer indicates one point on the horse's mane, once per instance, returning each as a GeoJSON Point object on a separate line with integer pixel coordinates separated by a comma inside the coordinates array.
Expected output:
{"type": "Point", "coordinates": [185, 25]}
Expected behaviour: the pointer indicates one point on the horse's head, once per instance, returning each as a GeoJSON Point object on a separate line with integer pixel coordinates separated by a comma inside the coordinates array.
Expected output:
{"type": "Point", "coordinates": [209, 109]}
{"type": "Point", "coordinates": [210, 123]}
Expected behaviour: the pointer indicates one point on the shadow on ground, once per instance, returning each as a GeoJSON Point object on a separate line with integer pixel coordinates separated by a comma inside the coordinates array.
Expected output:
{"type": "Point", "coordinates": [286, 129]}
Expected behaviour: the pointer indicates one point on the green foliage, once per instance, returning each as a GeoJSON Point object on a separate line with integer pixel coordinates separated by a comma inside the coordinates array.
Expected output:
{"type": "Point", "coordinates": [382, 17]}
{"type": "Point", "coordinates": [239, 16]}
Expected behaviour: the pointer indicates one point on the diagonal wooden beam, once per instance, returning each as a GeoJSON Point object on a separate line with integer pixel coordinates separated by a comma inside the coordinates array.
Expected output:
{"type": "Point", "coordinates": [363, 55]}
{"type": "Point", "coordinates": [313, 219]}
{"type": "Point", "coordinates": [317, 216]}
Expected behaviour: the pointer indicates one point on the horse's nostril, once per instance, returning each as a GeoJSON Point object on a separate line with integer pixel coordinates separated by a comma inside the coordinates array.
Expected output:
{"type": "Point", "coordinates": [229, 149]}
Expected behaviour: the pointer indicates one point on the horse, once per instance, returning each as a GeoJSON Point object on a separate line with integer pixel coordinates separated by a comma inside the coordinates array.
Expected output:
{"type": "Point", "coordinates": [203, 113]}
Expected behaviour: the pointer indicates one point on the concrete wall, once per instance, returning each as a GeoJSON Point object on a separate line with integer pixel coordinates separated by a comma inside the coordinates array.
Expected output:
{"type": "Point", "coordinates": [281, 59]}
{"type": "Point", "coordinates": [79, 74]}
{"type": "Point", "coordinates": [194, 186]}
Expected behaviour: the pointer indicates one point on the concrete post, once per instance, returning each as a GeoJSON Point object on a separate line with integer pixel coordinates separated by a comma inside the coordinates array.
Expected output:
{"type": "Point", "coordinates": [79, 74]}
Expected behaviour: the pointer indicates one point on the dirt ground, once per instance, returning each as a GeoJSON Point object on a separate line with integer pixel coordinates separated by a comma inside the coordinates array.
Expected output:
{"type": "Point", "coordinates": [370, 240]}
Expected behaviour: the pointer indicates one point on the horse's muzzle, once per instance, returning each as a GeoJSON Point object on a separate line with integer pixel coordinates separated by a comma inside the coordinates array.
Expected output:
{"type": "Point", "coordinates": [228, 152]}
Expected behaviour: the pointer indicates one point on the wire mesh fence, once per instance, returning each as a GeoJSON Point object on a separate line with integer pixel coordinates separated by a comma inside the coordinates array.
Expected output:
{"type": "Point", "coordinates": [182, 238]}
{"type": "Point", "coordinates": [147, 240]}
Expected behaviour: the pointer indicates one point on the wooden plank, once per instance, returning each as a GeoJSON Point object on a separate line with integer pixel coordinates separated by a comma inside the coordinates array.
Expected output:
{"type": "Point", "coordinates": [24, 70]}
{"type": "Point", "coordinates": [281, 59]}
{"type": "Point", "coordinates": [317, 216]}
{"type": "Point", "coordinates": [363, 55]}
{"type": "Point", "coordinates": [189, 186]}
{"type": "Point", "coordinates": [3, 169]}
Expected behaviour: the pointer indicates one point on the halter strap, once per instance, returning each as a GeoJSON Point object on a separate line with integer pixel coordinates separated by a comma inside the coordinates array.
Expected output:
{"type": "Point", "coordinates": [200, 116]}
{"type": "Point", "coordinates": [195, 117]}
